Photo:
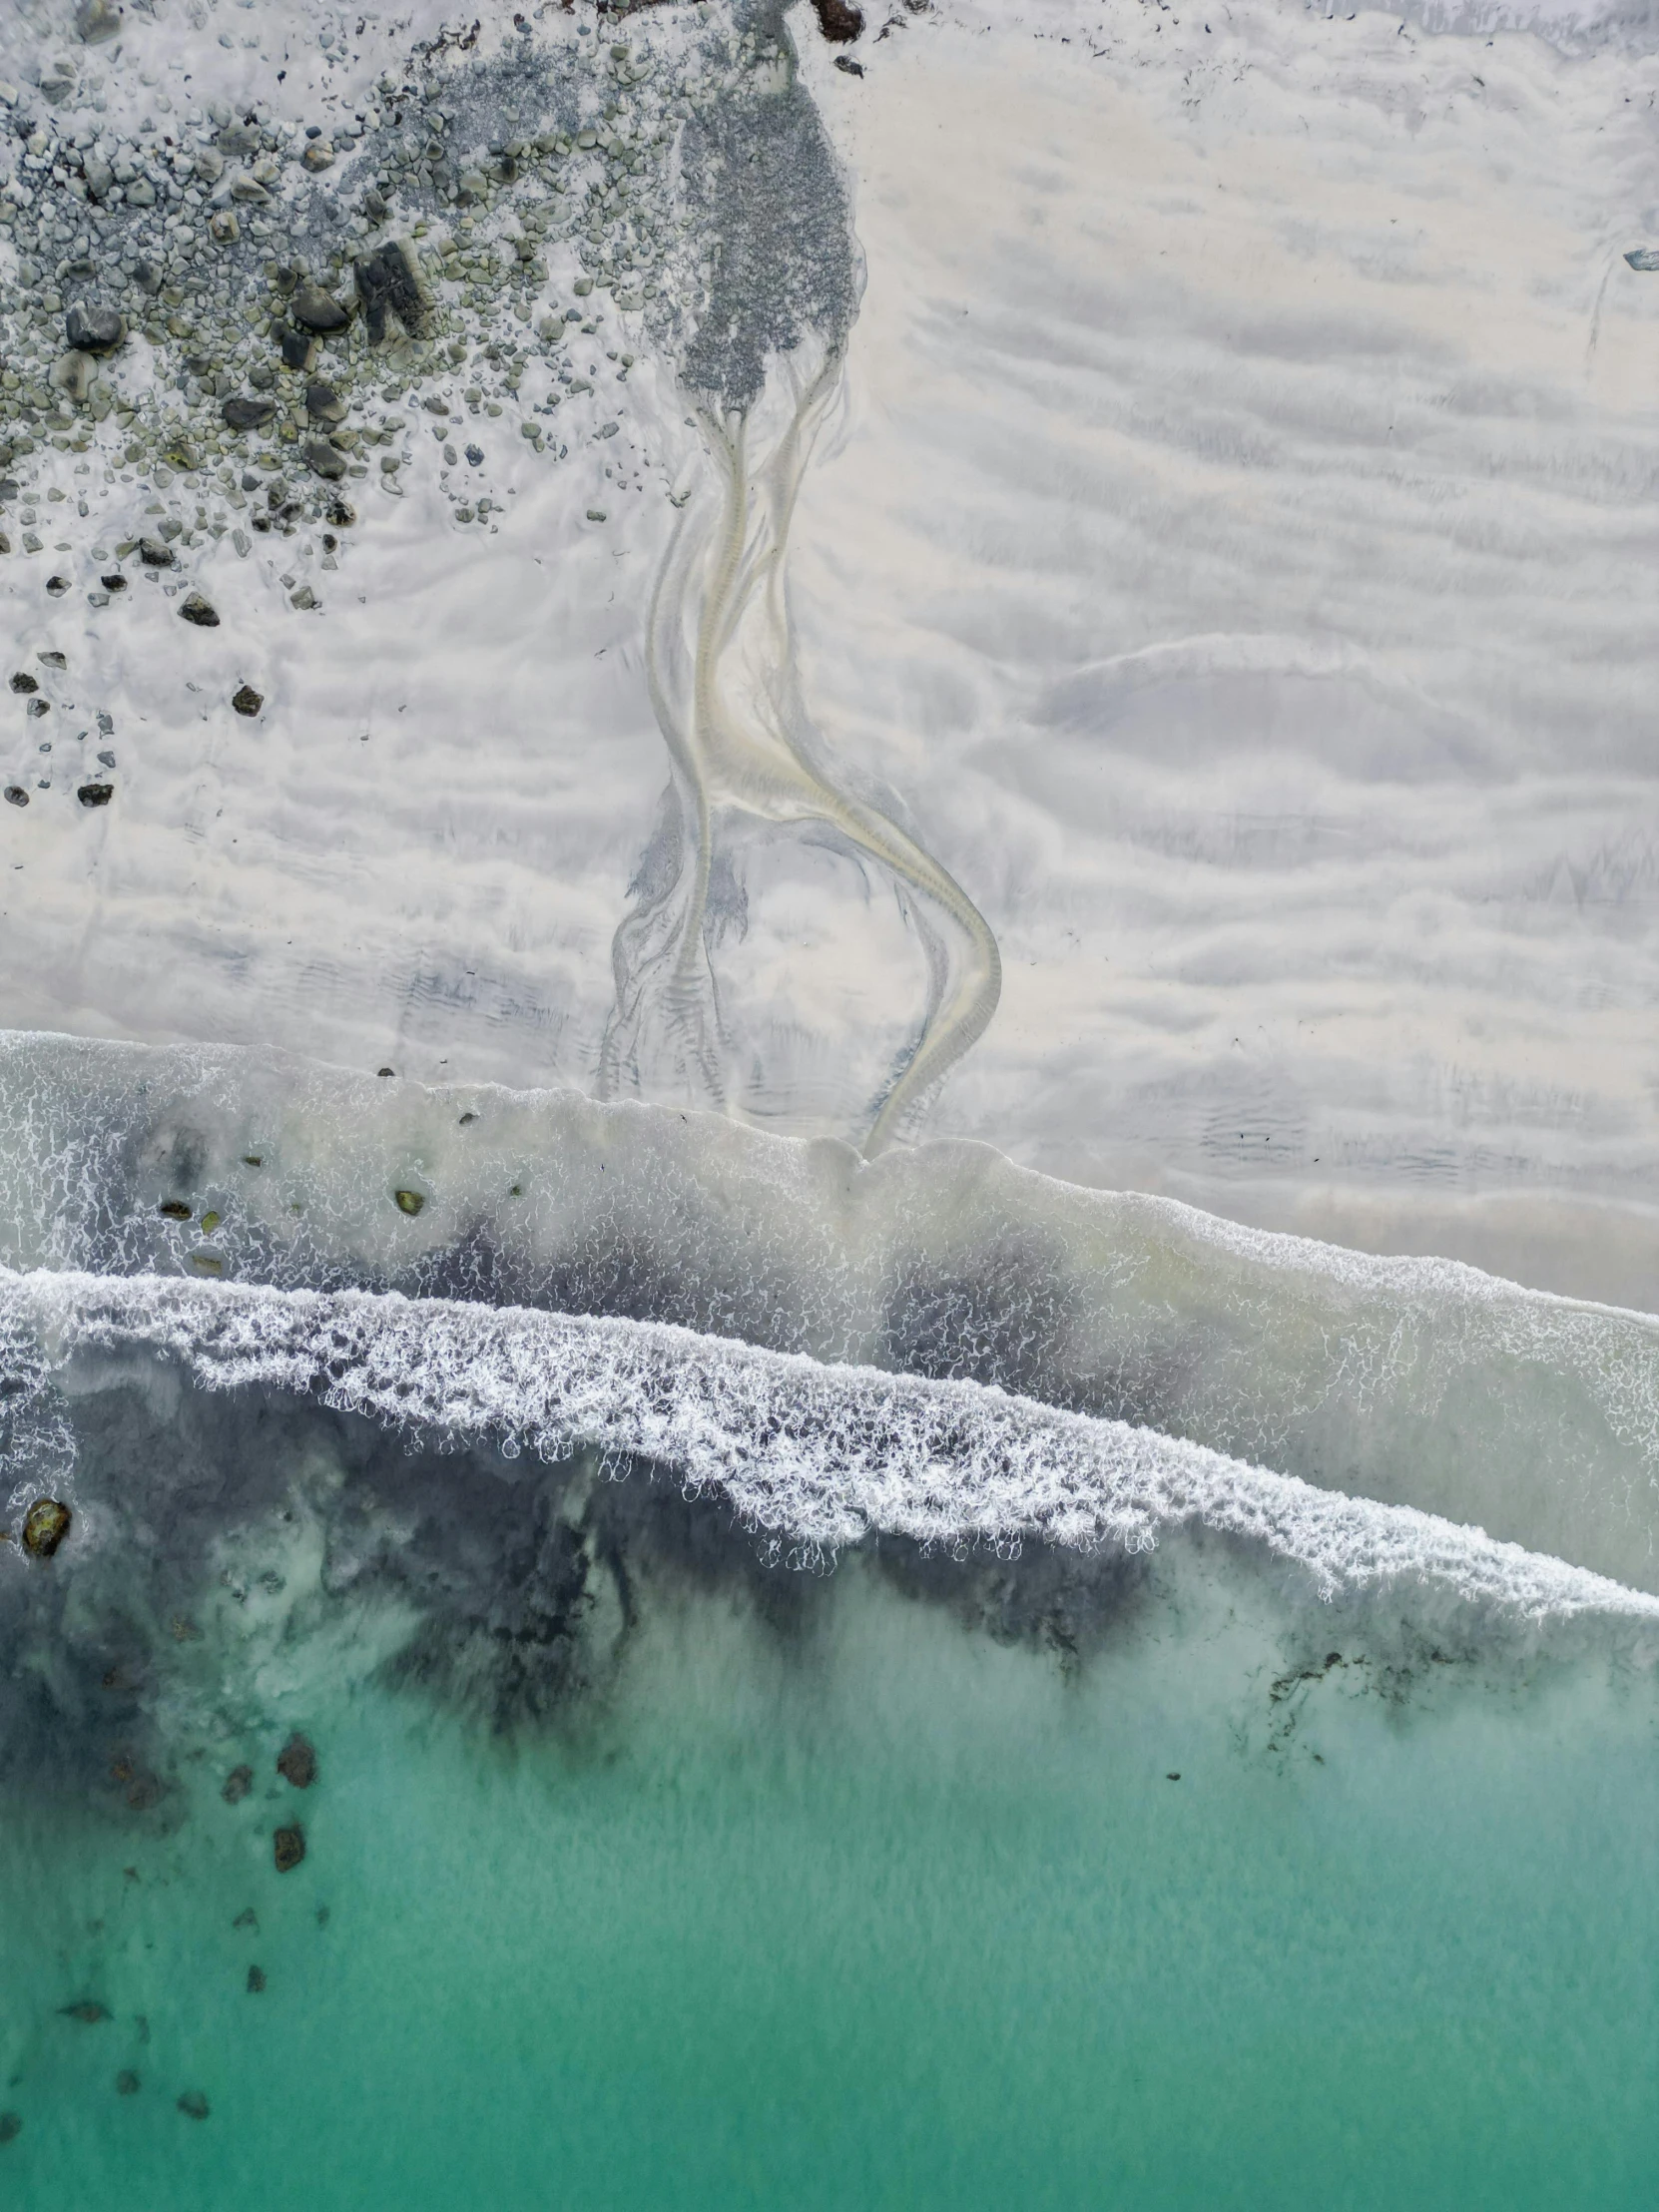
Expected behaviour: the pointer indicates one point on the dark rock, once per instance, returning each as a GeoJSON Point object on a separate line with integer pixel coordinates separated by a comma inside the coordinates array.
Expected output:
{"type": "Point", "coordinates": [115, 582]}
{"type": "Point", "coordinates": [255, 1980]}
{"type": "Point", "coordinates": [315, 310]}
{"type": "Point", "coordinates": [296, 1761]}
{"type": "Point", "coordinates": [174, 1209]}
{"type": "Point", "coordinates": [1644, 257]}
{"type": "Point", "coordinates": [155, 553]}
{"type": "Point", "coordinates": [89, 2012]}
{"type": "Point", "coordinates": [198, 610]}
{"type": "Point", "coordinates": [94, 329]}
{"type": "Point", "coordinates": [408, 1202]}
{"type": "Point", "coordinates": [45, 1525]}
{"type": "Point", "coordinates": [238, 142]}
{"type": "Point", "coordinates": [57, 585]}
{"type": "Point", "coordinates": [39, 707]}
{"type": "Point", "coordinates": [95, 795]}
{"type": "Point", "coordinates": [289, 1848]}
{"type": "Point", "coordinates": [148, 278]}
{"type": "Point", "coordinates": [385, 1071]}
{"type": "Point", "coordinates": [194, 2104]}
{"type": "Point", "coordinates": [476, 456]}
{"type": "Point", "coordinates": [299, 349]}
{"type": "Point", "coordinates": [11, 2127]}
{"type": "Point", "coordinates": [241, 413]}
{"type": "Point", "coordinates": [53, 659]}
{"type": "Point", "coordinates": [323, 459]}
{"type": "Point", "coordinates": [16, 796]}
{"type": "Point", "coordinates": [342, 513]}
{"type": "Point", "coordinates": [847, 66]}
{"type": "Point", "coordinates": [388, 284]}
{"type": "Point", "coordinates": [95, 21]}
{"type": "Point", "coordinates": [247, 1918]}
{"type": "Point", "coordinates": [126, 2083]}
{"type": "Point", "coordinates": [840, 23]}
{"type": "Point", "coordinates": [324, 404]}
{"type": "Point", "coordinates": [248, 701]}
{"type": "Point", "coordinates": [236, 1785]}
{"type": "Point", "coordinates": [24, 682]}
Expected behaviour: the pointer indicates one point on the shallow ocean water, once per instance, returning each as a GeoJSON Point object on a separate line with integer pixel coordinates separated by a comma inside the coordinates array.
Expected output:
{"type": "Point", "coordinates": [873, 1910]}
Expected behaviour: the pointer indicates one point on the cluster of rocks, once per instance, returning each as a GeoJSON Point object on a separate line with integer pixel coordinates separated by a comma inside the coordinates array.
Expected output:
{"type": "Point", "coordinates": [232, 308]}
{"type": "Point", "coordinates": [41, 696]}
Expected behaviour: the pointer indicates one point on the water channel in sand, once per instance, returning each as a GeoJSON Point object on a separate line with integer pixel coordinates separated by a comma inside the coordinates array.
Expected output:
{"type": "Point", "coordinates": [745, 755]}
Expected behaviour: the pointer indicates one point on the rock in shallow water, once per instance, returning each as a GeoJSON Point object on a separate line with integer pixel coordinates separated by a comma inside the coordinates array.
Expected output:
{"type": "Point", "coordinates": [94, 329]}
{"type": "Point", "coordinates": [200, 611]}
{"type": "Point", "coordinates": [287, 1846]}
{"type": "Point", "coordinates": [45, 1525]}
{"type": "Point", "coordinates": [242, 413]}
{"type": "Point", "coordinates": [315, 310]}
{"type": "Point", "coordinates": [237, 1783]}
{"type": "Point", "coordinates": [296, 1761]}
{"type": "Point", "coordinates": [248, 701]}
{"type": "Point", "coordinates": [323, 459]}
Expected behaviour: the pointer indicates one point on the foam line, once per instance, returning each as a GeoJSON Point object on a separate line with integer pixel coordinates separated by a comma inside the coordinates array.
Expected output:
{"type": "Point", "coordinates": [816, 1454]}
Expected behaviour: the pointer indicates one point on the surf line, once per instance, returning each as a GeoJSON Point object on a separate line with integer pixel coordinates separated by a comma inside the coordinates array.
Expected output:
{"type": "Point", "coordinates": [724, 685]}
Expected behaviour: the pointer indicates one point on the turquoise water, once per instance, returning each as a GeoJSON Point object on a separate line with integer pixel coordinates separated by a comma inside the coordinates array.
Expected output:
{"type": "Point", "coordinates": [854, 1904]}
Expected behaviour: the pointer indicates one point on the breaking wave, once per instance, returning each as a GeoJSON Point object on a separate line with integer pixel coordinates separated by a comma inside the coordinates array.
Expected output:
{"type": "Point", "coordinates": [814, 1455]}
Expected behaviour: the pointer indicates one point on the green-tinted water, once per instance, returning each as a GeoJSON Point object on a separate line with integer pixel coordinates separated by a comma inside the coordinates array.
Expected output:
{"type": "Point", "coordinates": [883, 1914]}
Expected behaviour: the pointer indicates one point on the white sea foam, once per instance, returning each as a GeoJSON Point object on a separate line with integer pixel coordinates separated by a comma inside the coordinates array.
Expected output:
{"type": "Point", "coordinates": [818, 1455]}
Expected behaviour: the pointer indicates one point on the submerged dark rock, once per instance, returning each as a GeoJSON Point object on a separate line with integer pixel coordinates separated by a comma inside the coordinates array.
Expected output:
{"type": "Point", "coordinates": [839, 22]}
{"type": "Point", "coordinates": [323, 459]}
{"type": "Point", "coordinates": [94, 329]}
{"type": "Point", "coordinates": [287, 1846]}
{"type": "Point", "coordinates": [315, 310]}
{"type": "Point", "coordinates": [237, 1783]}
{"type": "Point", "coordinates": [194, 2104]}
{"type": "Point", "coordinates": [45, 1525]}
{"type": "Point", "coordinates": [388, 284]}
{"type": "Point", "coordinates": [297, 349]}
{"type": "Point", "coordinates": [255, 1980]}
{"type": "Point", "coordinates": [16, 796]}
{"type": "Point", "coordinates": [126, 2083]}
{"type": "Point", "coordinates": [23, 682]}
{"type": "Point", "coordinates": [296, 1761]}
{"type": "Point", "coordinates": [11, 2127]}
{"type": "Point", "coordinates": [242, 413]}
{"type": "Point", "coordinates": [88, 2011]}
